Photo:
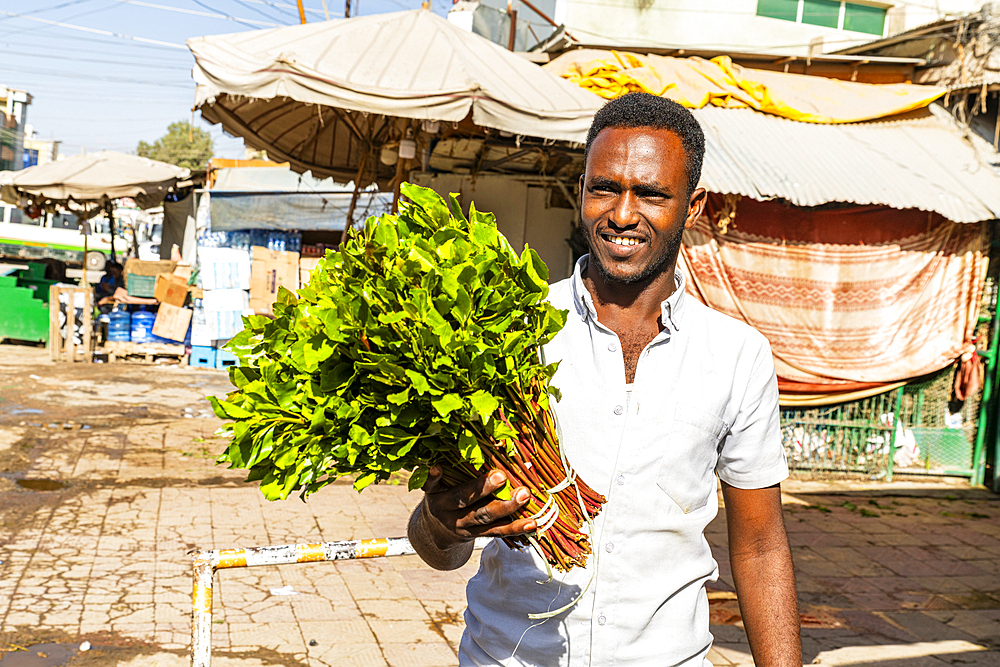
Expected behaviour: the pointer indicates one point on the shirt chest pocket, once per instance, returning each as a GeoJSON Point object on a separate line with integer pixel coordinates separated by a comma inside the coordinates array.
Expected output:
{"type": "Point", "coordinates": [687, 469]}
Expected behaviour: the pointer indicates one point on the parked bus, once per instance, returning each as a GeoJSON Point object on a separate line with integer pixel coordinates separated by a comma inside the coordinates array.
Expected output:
{"type": "Point", "coordinates": [55, 237]}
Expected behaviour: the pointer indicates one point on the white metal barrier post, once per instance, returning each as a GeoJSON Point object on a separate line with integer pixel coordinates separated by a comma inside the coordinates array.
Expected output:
{"type": "Point", "coordinates": [205, 563]}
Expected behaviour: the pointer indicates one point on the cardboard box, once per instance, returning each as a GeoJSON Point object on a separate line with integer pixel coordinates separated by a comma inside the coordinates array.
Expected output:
{"type": "Point", "coordinates": [138, 267]}
{"type": "Point", "coordinates": [172, 322]}
{"type": "Point", "coordinates": [171, 289]}
{"type": "Point", "coordinates": [223, 325]}
{"type": "Point", "coordinates": [221, 300]}
{"type": "Point", "coordinates": [224, 268]}
{"type": "Point", "coordinates": [306, 266]}
{"type": "Point", "coordinates": [184, 271]}
{"type": "Point", "coordinates": [201, 333]}
{"type": "Point", "coordinates": [269, 270]}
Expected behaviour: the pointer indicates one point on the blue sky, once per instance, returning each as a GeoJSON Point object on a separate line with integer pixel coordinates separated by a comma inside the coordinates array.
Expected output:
{"type": "Point", "coordinates": [93, 91]}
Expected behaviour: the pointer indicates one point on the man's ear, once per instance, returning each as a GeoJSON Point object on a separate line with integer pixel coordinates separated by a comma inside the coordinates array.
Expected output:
{"type": "Point", "coordinates": [696, 206]}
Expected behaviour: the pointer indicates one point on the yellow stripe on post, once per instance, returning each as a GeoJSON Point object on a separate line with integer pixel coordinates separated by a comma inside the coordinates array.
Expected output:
{"type": "Point", "coordinates": [232, 558]}
{"type": "Point", "coordinates": [371, 548]}
{"type": "Point", "coordinates": [309, 553]}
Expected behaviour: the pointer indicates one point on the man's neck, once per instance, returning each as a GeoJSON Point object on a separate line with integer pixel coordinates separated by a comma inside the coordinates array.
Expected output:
{"type": "Point", "coordinates": [639, 302]}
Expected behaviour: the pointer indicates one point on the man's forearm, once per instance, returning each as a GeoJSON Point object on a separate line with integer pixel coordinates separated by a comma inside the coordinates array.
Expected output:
{"type": "Point", "coordinates": [432, 545]}
{"type": "Point", "coordinates": [765, 585]}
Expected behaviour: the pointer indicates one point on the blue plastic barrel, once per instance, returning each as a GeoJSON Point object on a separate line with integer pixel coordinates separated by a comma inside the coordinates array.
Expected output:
{"type": "Point", "coordinates": [142, 326]}
{"type": "Point", "coordinates": [120, 326]}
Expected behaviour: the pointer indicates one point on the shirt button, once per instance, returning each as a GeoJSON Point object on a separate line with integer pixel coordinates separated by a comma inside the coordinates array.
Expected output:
{"type": "Point", "coordinates": [619, 409]}
{"type": "Point", "coordinates": [621, 480]}
{"type": "Point", "coordinates": [612, 347]}
{"type": "Point", "coordinates": [601, 620]}
{"type": "Point", "coordinates": [610, 547]}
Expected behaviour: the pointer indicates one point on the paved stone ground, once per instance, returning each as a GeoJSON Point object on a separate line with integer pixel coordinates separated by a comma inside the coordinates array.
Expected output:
{"type": "Point", "coordinates": [904, 575]}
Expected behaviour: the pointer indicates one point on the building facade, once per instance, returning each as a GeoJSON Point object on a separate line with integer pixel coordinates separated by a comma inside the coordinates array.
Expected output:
{"type": "Point", "coordinates": [14, 110]}
{"type": "Point", "coordinates": [37, 150]}
{"type": "Point", "coordinates": [794, 27]}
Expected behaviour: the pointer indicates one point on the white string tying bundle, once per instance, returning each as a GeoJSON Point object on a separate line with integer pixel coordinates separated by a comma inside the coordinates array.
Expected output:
{"type": "Point", "coordinates": [550, 512]}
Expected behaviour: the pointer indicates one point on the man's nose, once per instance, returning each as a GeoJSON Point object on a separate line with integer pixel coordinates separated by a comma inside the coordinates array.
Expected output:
{"type": "Point", "coordinates": [625, 213]}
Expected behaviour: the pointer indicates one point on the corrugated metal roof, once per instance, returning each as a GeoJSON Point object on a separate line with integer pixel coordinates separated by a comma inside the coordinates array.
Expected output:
{"type": "Point", "coordinates": [921, 162]}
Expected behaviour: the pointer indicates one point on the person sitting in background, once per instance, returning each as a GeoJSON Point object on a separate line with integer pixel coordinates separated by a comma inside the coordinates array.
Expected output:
{"type": "Point", "coordinates": [110, 281]}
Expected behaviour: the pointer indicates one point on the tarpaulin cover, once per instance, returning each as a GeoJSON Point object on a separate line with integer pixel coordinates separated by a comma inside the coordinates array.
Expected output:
{"type": "Point", "coordinates": [696, 82]}
{"type": "Point", "coordinates": [849, 298]}
{"type": "Point", "coordinates": [292, 210]}
{"type": "Point", "coordinates": [278, 198]}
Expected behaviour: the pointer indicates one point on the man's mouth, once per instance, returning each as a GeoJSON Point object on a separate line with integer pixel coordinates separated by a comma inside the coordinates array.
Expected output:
{"type": "Point", "coordinates": [622, 240]}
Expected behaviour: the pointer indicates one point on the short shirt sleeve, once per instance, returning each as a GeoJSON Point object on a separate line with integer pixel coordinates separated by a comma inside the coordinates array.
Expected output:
{"type": "Point", "coordinates": [752, 455]}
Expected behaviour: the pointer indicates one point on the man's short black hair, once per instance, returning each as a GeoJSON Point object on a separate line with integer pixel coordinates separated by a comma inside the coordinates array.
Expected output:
{"type": "Point", "coordinates": [645, 110]}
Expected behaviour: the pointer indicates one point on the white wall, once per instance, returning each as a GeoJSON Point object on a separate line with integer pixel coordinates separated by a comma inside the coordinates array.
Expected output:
{"type": "Point", "coordinates": [728, 24]}
{"type": "Point", "coordinates": [522, 209]}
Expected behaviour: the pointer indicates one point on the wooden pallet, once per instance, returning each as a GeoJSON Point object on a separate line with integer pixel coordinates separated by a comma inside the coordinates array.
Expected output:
{"type": "Point", "coordinates": [148, 352]}
{"type": "Point", "coordinates": [66, 349]}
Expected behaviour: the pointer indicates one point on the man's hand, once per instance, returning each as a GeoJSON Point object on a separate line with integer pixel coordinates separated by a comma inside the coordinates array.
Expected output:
{"type": "Point", "coordinates": [444, 526]}
{"type": "Point", "coordinates": [763, 574]}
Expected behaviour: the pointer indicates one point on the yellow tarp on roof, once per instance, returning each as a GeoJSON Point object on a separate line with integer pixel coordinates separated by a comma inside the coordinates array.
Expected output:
{"type": "Point", "coordinates": [696, 82]}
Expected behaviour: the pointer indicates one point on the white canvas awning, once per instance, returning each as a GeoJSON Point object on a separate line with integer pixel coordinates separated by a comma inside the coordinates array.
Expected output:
{"type": "Point", "coordinates": [92, 179]}
{"type": "Point", "coordinates": [318, 95]}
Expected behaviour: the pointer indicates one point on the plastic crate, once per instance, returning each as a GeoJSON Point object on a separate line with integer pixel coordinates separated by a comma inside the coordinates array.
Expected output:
{"type": "Point", "coordinates": [224, 359]}
{"type": "Point", "coordinates": [202, 357]}
{"type": "Point", "coordinates": [142, 286]}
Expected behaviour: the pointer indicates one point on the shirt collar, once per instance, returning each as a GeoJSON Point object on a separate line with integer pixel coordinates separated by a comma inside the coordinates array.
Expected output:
{"type": "Point", "coordinates": [671, 309]}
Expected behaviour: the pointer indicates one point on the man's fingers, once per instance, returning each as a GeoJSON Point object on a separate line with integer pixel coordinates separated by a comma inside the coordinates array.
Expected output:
{"type": "Point", "coordinates": [471, 492]}
{"type": "Point", "coordinates": [487, 513]}
{"type": "Point", "coordinates": [512, 529]}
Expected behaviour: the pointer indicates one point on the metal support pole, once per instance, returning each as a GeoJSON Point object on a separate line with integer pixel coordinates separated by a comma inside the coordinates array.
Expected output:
{"type": "Point", "coordinates": [990, 355]}
{"type": "Point", "coordinates": [302, 13]}
{"type": "Point", "coordinates": [205, 563]}
{"type": "Point", "coordinates": [512, 13]}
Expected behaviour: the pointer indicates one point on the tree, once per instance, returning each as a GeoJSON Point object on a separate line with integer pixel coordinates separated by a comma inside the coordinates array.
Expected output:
{"type": "Point", "coordinates": [181, 145]}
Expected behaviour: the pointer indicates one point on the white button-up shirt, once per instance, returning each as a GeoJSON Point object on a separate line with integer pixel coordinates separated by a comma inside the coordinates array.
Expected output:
{"type": "Point", "coordinates": [704, 401]}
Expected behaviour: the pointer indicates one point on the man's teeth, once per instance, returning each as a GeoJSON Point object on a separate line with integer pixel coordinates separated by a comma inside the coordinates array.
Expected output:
{"type": "Point", "coordinates": [623, 240]}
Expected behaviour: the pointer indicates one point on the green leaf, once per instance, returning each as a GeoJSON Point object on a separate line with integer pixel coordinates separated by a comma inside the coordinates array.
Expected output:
{"type": "Point", "coordinates": [227, 410]}
{"type": "Point", "coordinates": [418, 478]}
{"type": "Point", "coordinates": [484, 405]}
{"type": "Point", "coordinates": [419, 381]}
{"type": "Point", "coordinates": [364, 481]}
{"type": "Point", "coordinates": [447, 404]}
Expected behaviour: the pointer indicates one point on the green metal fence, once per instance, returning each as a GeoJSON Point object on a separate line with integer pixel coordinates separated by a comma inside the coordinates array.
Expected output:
{"type": "Point", "coordinates": [937, 437]}
{"type": "Point", "coordinates": [849, 437]}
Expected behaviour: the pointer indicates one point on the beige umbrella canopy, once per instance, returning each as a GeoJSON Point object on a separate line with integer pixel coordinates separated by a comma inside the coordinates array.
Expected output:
{"type": "Point", "coordinates": [87, 181]}
{"type": "Point", "coordinates": [322, 95]}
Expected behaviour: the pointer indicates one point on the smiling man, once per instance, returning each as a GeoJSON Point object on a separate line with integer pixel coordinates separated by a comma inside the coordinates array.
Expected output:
{"type": "Point", "coordinates": [660, 394]}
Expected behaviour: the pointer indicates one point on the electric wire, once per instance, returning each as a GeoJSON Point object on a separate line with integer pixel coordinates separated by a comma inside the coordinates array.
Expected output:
{"type": "Point", "coordinates": [96, 31]}
{"type": "Point", "coordinates": [254, 9]}
{"type": "Point", "coordinates": [240, 21]}
{"type": "Point", "coordinates": [194, 12]}
{"type": "Point", "coordinates": [47, 9]}
{"type": "Point", "coordinates": [69, 18]}
{"type": "Point", "coordinates": [283, 7]}
{"type": "Point", "coordinates": [95, 77]}
{"type": "Point", "coordinates": [152, 65]}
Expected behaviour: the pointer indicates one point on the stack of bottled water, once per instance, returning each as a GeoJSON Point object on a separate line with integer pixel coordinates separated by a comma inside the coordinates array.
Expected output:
{"type": "Point", "coordinates": [289, 241]}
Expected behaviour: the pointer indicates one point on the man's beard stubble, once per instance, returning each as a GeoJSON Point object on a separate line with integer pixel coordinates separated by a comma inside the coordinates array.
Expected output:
{"type": "Point", "coordinates": [651, 270]}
